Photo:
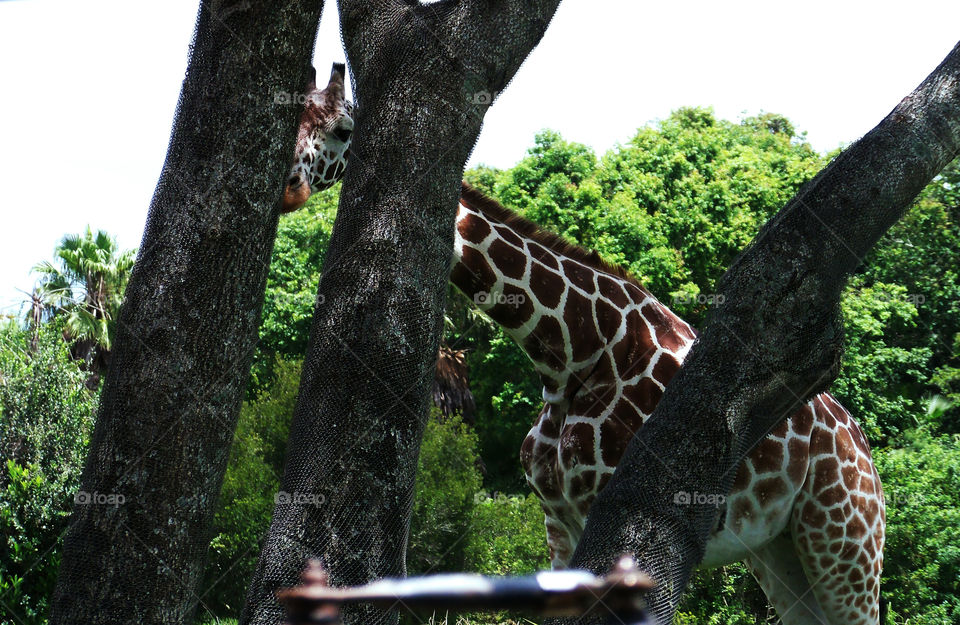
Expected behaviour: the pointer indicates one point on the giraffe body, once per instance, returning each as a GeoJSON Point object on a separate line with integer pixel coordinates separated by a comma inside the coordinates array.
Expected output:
{"type": "Point", "coordinates": [806, 511]}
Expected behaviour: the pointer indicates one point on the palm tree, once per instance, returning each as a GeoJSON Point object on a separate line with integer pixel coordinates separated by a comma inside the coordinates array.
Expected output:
{"type": "Point", "coordinates": [85, 284]}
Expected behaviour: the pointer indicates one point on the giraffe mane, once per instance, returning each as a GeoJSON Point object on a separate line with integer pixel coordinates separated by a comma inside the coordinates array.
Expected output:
{"type": "Point", "coordinates": [489, 207]}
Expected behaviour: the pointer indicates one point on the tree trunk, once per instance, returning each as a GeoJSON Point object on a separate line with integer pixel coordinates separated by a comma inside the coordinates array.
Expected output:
{"type": "Point", "coordinates": [424, 76]}
{"type": "Point", "coordinates": [136, 543]}
{"type": "Point", "coordinates": [773, 344]}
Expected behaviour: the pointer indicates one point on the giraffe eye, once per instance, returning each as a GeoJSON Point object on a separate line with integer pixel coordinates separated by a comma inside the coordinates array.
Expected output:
{"type": "Point", "coordinates": [342, 134]}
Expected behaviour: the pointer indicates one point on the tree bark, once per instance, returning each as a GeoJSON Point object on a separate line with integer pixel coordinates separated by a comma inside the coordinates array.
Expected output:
{"type": "Point", "coordinates": [424, 76]}
{"type": "Point", "coordinates": [134, 552]}
{"type": "Point", "coordinates": [774, 343]}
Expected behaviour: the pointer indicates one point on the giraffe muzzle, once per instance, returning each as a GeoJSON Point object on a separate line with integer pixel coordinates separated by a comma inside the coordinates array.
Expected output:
{"type": "Point", "coordinates": [295, 195]}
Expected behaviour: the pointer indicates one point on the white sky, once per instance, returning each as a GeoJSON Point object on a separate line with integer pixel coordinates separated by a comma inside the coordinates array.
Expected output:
{"type": "Point", "coordinates": [89, 90]}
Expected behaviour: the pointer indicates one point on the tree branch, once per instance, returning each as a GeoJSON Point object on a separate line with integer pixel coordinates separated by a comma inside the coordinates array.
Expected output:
{"type": "Point", "coordinates": [774, 343]}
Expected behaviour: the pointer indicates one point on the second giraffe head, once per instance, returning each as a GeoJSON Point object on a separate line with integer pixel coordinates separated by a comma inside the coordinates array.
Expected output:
{"type": "Point", "coordinates": [323, 140]}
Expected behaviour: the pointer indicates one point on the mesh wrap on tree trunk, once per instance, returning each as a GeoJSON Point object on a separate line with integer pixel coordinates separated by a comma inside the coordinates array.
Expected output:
{"type": "Point", "coordinates": [189, 324]}
{"type": "Point", "coordinates": [423, 79]}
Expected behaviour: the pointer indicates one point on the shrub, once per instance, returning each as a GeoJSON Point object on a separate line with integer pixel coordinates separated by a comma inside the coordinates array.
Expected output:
{"type": "Point", "coordinates": [921, 569]}
{"type": "Point", "coordinates": [507, 536]}
{"type": "Point", "coordinates": [247, 498]}
{"type": "Point", "coordinates": [726, 595]}
{"type": "Point", "coordinates": [46, 415]}
{"type": "Point", "coordinates": [880, 378]}
{"type": "Point", "coordinates": [448, 479]}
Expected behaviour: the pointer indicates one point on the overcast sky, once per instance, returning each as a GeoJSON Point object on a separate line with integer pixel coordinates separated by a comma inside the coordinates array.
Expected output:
{"type": "Point", "coordinates": [89, 90]}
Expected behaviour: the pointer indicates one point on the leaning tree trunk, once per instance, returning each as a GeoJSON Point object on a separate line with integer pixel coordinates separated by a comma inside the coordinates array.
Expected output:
{"type": "Point", "coordinates": [424, 76]}
{"type": "Point", "coordinates": [774, 343]}
{"type": "Point", "coordinates": [138, 536]}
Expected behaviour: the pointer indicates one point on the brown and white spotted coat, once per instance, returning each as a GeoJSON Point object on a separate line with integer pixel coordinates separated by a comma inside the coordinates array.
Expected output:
{"type": "Point", "coordinates": [806, 512]}
{"type": "Point", "coordinates": [323, 140]}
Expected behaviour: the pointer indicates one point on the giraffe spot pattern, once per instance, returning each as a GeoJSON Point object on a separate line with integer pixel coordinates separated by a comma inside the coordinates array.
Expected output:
{"type": "Point", "coordinates": [612, 291]}
{"type": "Point", "coordinates": [578, 317]}
{"type": "Point", "coordinates": [605, 350]}
{"type": "Point", "coordinates": [545, 344]}
{"type": "Point", "coordinates": [539, 253]}
{"type": "Point", "coordinates": [515, 309]}
{"type": "Point", "coordinates": [632, 353]}
{"type": "Point", "coordinates": [473, 231]}
{"type": "Point", "coordinates": [473, 272]}
{"type": "Point", "coordinates": [608, 319]}
{"type": "Point", "coordinates": [666, 367]}
{"type": "Point", "coordinates": [579, 276]}
{"type": "Point", "coordinates": [508, 260]}
{"type": "Point", "coordinates": [546, 286]}
{"type": "Point", "coordinates": [507, 235]}
{"type": "Point", "coordinates": [767, 456]}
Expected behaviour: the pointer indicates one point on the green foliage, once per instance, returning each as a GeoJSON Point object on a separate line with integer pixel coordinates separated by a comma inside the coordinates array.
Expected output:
{"type": "Point", "coordinates": [674, 205]}
{"type": "Point", "coordinates": [457, 527]}
{"type": "Point", "coordinates": [507, 536]}
{"type": "Point", "coordinates": [301, 244]}
{"type": "Point", "coordinates": [46, 415]}
{"type": "Point", "coordinates": [921, 569]}
{"type": "Point", "coordinates": [921, 254]}
{"type": "Point", "coordinates": [723, 596]}
{"type": "Point", "coordinates": [947, 380]}
{"type": "Point", "coordinates": [508, 398]}
{"type": "Point", "coordinates": [448, 480]}
{"type": "Point", "coordinates": [247, 498]}
{"type": "Point", "coordinates": [881, 373]}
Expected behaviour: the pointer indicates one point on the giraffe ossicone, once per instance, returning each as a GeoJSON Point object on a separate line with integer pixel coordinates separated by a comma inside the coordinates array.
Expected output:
{"type": "Point", "coordinates": [806, 512]}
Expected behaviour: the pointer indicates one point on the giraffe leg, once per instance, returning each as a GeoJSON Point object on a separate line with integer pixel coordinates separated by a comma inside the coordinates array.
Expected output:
{"type": "Point", "coordinates": [560, 541]}
{"type": "Point", "coordinates": [778, 570]}
{"type": "Point", "coordinates": [837, 522]}
{"type": "Point", "coordinates": [843, 570]}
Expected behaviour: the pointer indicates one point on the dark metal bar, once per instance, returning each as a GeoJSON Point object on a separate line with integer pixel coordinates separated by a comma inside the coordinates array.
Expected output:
{"type": "Point", "coordinates": [618, 595]}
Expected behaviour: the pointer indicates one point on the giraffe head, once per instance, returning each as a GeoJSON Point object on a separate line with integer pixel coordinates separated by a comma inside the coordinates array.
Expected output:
{"type": "Point", "coordinates": [323, 141]}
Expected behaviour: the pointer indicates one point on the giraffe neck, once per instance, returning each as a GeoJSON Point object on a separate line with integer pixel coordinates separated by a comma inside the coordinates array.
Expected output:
{"type": "Point", "coordinates": [562, 304]}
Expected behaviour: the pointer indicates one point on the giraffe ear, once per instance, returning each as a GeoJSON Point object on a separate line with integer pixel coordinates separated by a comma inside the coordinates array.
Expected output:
{"type": "Point", "coordinates": [312, 78]}
{"type": "Point", "coordinates": [336, 79]}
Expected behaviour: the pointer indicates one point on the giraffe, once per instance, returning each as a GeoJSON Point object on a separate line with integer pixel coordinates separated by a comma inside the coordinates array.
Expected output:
{"type": "Point", "coordinates": [323, 140]}
{"type": "Point", "coordinates": [806, 513]}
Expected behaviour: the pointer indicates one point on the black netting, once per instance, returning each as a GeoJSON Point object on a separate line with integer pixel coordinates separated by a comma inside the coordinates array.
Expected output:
{"type": "Point", "coordinates": [424, 77]}
{"type": "Point", "coordinates": [140, 529]}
